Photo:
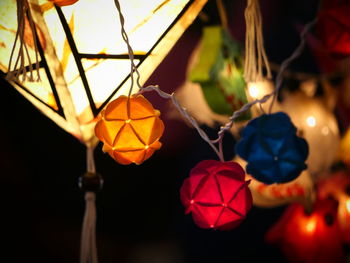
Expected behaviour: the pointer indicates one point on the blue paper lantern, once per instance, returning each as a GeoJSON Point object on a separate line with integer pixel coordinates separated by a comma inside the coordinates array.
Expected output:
{"type": "Point", "coordinates": [273, 151]}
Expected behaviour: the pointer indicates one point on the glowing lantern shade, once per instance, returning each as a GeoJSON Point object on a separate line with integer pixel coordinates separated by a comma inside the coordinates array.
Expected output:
{"type": "Point", "coordinates": [84, 61]}
{"type": "Point", "coordinates": [338, 187]}
{"type": "Point", "coordinates": [299, 190]}
{"type": "Point", "coordinates": [130, 129]}
{"type": "Point", "coordinates": [216, 194]}
{"type": "Point", "coordinates": [309, 238]}
{"type": "Point", "coordinates": [272, 150]}
{"type": "Point", "coordinates": [318, 125]}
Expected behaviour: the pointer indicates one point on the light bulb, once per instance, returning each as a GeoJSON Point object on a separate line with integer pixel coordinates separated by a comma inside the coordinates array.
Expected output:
{"type": "Point", "coordinates": [253, 90]}
{"type": "Point", "coordinates": [311, 225]}
{"type": "Point", "coordinates": [311, 121]}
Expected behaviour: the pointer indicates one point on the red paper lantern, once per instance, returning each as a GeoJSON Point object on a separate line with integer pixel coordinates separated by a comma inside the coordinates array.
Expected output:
{"type": "Point", "coordinates": [130, 129]}
{"type": "Point", "coordinates": [338, 186]}
{"type": "Point", "coordinates": [217, 194]}
{"type": "Point", "coordinates": [309, 238]}
{"type": "Point", "coordinates": [334, 27]}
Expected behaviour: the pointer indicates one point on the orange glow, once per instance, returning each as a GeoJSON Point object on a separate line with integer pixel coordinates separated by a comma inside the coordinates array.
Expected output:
{"type": "Point", "coordinates": [253, 90]}
{"type": "Point", "coordinates": [348, 205]}
{"type": "Point", "coordinates": [310, 225]}
{"type": "Point", "coordinates": [130, 129]}
{"type": "Point", "coordinates": [257, 90]}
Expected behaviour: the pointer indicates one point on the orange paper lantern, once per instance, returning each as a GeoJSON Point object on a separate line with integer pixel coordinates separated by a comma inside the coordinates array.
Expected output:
{"type": "Point", "coordinates": [63, 2]}
{"type": "Point", "coordinates": [130, 129]}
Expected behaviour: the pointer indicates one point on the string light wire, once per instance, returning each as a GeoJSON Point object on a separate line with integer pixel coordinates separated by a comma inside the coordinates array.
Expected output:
{"type": "Point", "coordinates": [215, 144]}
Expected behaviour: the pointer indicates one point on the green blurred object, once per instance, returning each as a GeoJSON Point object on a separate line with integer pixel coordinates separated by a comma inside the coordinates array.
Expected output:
{"type": "Point", "coordinates": [219, 71]}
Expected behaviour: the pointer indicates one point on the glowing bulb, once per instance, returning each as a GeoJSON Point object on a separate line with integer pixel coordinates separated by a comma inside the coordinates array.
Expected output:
{"type": "Point", "coordinates": [325, 130]}
{"type": "Point", "coordinates": [348, 205]}
{"type": "Point", "coordinates": [311, 121]}
{"type": "Point", "coordinates": [311, 226]}
{"type": "Point", "coordinates": [253, 90]}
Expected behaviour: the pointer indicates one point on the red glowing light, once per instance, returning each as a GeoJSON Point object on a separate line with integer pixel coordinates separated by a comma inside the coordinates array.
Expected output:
{"type": "Point", "coordinates": [309, 238]}
{"type": "Point", "coordinates": [221, 193]}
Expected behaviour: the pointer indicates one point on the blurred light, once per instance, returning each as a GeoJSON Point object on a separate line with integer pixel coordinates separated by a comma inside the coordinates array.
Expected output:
{"type": "Point", "coordinates": [348, 205]}
{"type": "Point", "coordinates": [311, 121]}
{"type": "Point", "coordinates": [309, 87]}
{"type": "Point", "coordinates": [253, 90]}
{"type": "Point", "coordinates": [311, 225]}
{"type": "Point", "coordinates": [325, 130]}
{"type": "Point", "coordinates": [319, 127]}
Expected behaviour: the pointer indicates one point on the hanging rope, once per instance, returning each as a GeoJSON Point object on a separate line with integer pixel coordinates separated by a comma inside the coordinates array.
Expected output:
{"type": "Point", "coordinates": [222, 14]}
{"type": "Point", "coordinates": [23, 57]}
{"type": "Point", "coordinates": [90, 183]}
{"type": "Point", "coordinates": [255, 56]}
{"type": "Point", "coordinates": [130, 51]}
{"type": "Point", "coordinates": [90, 161]}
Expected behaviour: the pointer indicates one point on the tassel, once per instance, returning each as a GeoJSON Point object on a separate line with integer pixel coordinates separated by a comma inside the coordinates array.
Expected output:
{"type": "Point", "coordinates": [19, 68]}
{"type": "Point", "coordinates": [91, 182]}
{"type": "Point", "coordinates": [88, 252]}
{"type": "Point", "coordinates": [255, 56]}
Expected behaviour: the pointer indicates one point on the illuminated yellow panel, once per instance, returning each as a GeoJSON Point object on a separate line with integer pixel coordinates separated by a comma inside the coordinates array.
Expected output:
{"type": "Point", "coordinates": [42, 90]}
{"type": "Point", "coordinates": [145, 22]}
{"type": "Point", "coordinates": [105, 75]}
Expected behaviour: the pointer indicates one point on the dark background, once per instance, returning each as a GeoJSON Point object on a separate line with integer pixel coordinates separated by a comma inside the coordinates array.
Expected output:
{"type": "Point", "coordinates": [139, 213]}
